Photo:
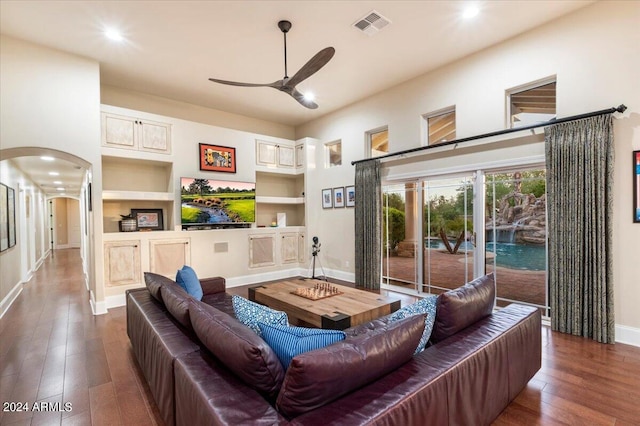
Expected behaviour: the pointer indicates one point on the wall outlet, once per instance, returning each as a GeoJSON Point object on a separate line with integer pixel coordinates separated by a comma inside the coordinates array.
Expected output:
{"type": "Point", "coordinates": [346, 263]}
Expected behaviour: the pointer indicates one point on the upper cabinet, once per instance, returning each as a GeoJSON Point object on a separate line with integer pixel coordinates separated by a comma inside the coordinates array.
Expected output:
{"type": "Point", "coordinates": [275, 155]}
{"type": "Point", "coordinates": [119, 131]}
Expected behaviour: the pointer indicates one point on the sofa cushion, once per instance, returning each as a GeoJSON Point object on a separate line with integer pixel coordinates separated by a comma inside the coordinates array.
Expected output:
{"type": "Point", "coordinates": [288, 342]}
{"type": "Point", "coordinates": [177, 302]}
{"type": "Point", "coordinates": [240, 349]}
{"type": "Point", "coordinates": [461, 307]}
{"type": "Point", "coordinates": [427, 306]}
{"type": "Point", "coordinates": [250, 314]}
{"type": "Point", "coordinates": [318, 377]}
{"type": "Point", "coordinates": [188, 280]}
{"type": "Point", "coordinates": [154, 282]}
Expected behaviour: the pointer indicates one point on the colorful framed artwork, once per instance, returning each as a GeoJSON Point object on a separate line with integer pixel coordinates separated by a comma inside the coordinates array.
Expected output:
{"type": "Point", "coordinates": [327, 201]}
{"type": "Point", "coordinates": [350, 197]}
{"type": "Point", "coordinates": [338, 197]}
{"type": "Point", "coordinates": [148, 219]}
{"type": "Point", "coordinates": [636, 186]}
{"type": "Point", "coordinates": [216, 158]}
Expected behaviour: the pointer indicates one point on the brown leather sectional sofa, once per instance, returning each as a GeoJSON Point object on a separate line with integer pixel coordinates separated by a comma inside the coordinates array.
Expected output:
{"type": "Point", "coordinates": [477, 362]}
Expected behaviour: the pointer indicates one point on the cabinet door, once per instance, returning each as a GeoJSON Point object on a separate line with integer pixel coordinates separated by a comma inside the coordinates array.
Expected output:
{"type": "Point", "coordinates": [167, 256]}
{"type": "Point", "coordinates": [262, 250]}
{"type": "Point", "coordinates": [154, 137]}
{"type": "Point", "coordinates": [286, 156]}
{"type": "Point", "coordinates": [289, 247]}
{"type": "Point", "coordinates": [266, 153]}
{"type": "Point", "coordinates": [118, 131]}
{"type": "Point", "coordinates": [302, 248]}
{"type": "Point", "coordinates": [299, 156]}
{"type": "Point", "coordinates": [122, 263]}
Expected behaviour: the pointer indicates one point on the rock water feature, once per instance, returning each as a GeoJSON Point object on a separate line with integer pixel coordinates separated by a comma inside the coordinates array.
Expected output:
{"type": "Point", "coordinates": [521, 218]}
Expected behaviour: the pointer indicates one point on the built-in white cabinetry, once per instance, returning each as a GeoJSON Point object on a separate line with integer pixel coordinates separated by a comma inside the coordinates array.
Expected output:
{"type": "Point", "coordinates": [292, 247]}
{"type": "Point", "coordinates": [120, 131]}
{"type": "Point", "coordinates": [275, 154]}
{"type": "Point", "coordinates": [280, 193]}
{"type": "Point", "coordinates": [129, 183]}
{"type": "Point", "coordinates": [167, 256]}
{"type": "Point", "coordinates": [122, 263]}
{"type": "Point", "coordinates": [283, 246]}
{"type": "Point", "coordinates": [299, 156]}
{"type": "Point", "coordinates": [262, 250]}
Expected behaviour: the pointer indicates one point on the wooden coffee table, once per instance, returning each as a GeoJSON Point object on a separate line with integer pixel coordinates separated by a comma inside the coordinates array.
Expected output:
{"type": "Point", "coordinates": [337, 312]}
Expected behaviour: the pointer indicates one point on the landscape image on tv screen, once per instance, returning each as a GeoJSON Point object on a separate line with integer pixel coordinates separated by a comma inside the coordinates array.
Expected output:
{"type": "Point", "coordinates": [217, 202]}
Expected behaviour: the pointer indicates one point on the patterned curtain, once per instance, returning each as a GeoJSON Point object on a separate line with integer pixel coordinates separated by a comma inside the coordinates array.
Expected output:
{"type": "Point", "coordinates": [368, 221]}
{"type": "Point", "coordinates": [579, 157]}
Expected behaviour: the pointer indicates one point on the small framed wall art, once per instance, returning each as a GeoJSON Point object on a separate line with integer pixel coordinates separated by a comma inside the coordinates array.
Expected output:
{"type": "Point", "coordinates": [338, 197]}
{"type": "Point", "coordinates": [148, 219]}
{"type": "Point", "coordinates": [636, 186]}
{"type": "Point", "coordinates": [350, 197]}
{"type": "Point", "coordinates": [216, 158]}
{"type": "Point", "coordinates": [327, 202]}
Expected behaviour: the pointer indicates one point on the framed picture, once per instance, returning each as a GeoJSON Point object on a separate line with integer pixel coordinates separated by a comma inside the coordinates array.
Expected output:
{"type": "Point", "coordinates": [338, 197]}
{"type": "Point", "coordinates": [351, 196]}
{"type": "Point", "coordinates": [636, 186]}
{"type": "Point", "coordinates": [215, 158]}
{"type": "Point", "coordinates": [327, 202]}
{"type": "Point", "coordinates": [148, 219]}
{"type": "Point", "coordinates": [11, 211]}
{"type": "Point", "coordinates": [4, 218]}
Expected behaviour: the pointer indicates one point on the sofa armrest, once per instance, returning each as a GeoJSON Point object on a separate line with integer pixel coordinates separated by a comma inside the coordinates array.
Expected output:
{"type": "Point", "coordinates": [213, 285]}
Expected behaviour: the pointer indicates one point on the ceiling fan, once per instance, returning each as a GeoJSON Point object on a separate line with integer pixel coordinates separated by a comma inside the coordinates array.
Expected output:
{"type": "Point", "coordinates": [288, 85]}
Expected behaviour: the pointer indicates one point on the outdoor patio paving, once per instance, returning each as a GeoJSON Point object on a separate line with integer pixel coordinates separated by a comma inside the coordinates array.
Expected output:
{"type": "Point", "coordinates": [447, 271]}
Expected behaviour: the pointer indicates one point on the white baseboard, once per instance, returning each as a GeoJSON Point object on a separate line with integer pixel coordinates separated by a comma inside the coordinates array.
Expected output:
{"type": "Point", "coordinates": [10, 298]}
{"type": "Point", "coordinates": [628, 335]}
{"type": "Point", "coordinates": [115, 301]}
{"type": "Point", "coordinates": [98, 308]}
{"type": "Point", "coordinates": [262, 277]}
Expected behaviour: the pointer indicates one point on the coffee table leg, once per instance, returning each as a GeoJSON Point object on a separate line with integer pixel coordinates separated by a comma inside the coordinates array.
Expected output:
{"type": "Point", "coordinates": [336, 322]}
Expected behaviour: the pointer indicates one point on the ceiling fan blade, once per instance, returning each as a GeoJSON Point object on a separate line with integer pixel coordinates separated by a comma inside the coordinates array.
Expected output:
{"type": "Point", "coordinates": [312, 66]}
{"type": "Point", "coordinates": [275, 84]}
{"type": "Point", "coordinates": [301, 99]}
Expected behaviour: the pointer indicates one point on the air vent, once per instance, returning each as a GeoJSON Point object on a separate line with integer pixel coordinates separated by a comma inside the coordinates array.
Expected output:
{"type": "Point", "coordinates": [371, 23]}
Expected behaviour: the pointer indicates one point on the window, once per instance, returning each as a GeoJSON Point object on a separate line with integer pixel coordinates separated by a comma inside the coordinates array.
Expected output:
{"type": "Point", "coordinates": [440, 126]}
{"type": "Point", "coordinates": [378, 142]}
{"type": "Point", "coordinates": [532, 103]}
{"type": "Point", "coordinates": [333, 154]}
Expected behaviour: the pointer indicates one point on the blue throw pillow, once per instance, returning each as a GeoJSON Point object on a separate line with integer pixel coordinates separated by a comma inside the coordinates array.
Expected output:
{"type": "Point", "coordinates": [188, 280]}
{"type": "Point", "coordinates": [422, 306]}
{"type": "Point", "coordinates": [250, 313]}
{"type": "Point", "coordinates": [288, 342]}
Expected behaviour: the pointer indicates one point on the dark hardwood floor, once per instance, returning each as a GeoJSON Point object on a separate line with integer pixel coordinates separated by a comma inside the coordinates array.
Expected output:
{"type": "Point", "coordinates": [53, 350]}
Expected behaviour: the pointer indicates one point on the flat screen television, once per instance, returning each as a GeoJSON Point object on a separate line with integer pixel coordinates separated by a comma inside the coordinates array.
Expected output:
{"type": "Point", "coordinates": [210, 204]}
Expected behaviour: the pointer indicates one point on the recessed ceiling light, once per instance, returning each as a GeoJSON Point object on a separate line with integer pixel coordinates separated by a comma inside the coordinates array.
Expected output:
{"type": "Point", "coordinates": [113, 34]}
{"type": "Point", "coordinates": [57, 182]}
{"type": "Point", "coordinates": [309, 96]}
{"type": "Point", "coordinates": [47, 158]}
{"type": "Point", "coordinates": [60, 189]}
{"type": "Point", "coordinates": [470, 12]}
{"type": "Point", "coordinates": [54, 174]}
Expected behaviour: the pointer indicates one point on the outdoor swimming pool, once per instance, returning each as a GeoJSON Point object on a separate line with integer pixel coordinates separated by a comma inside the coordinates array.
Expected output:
{"type": "Point", "coordinates": [525, 257]}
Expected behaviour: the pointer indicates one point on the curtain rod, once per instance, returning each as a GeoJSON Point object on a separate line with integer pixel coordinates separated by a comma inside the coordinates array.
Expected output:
{"type": "Point", "coordinates": [619, 108]}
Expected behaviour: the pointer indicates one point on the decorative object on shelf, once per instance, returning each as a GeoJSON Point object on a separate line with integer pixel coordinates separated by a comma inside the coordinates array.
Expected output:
{"type": "Point", "coordinates": [148, 219]}
{"type": "Point", "coordinates": [4, 218]}
{"type": "Point", "coordinates": [327, 202]}
{"type": "Point", "coordinates": [216, 158]}
{"type": "Point", "coordinates": [282, 220]}
{"type": "Point", "coordinates": [338, 197]}
{"type": "Point", "coordinates": [636, 186]}
{"type": "Point", "coordinates": [128, 223]}
{"type": "Point", "coordinates": [11, 205]}
{"type": "Point", "coordinates": [351, 196]}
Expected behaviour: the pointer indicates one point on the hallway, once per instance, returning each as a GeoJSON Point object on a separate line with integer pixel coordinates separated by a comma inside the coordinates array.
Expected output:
{"type": "Point", "coordinates": [53, 350]}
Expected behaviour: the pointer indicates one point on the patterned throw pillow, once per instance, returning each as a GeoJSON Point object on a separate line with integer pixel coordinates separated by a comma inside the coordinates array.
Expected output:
{"type": "Point", "coordinates": [288, 342]}
{"type": "Point", "coordinates": [188, 280]}
{"type": "Point", "coordinates": [422, 306]}
{"type": "Point", "coordinates": [250, 314]}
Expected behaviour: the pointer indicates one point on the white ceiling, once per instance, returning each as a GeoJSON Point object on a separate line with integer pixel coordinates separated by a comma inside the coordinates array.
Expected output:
{"type": "Point", "coordinates": [171, 48]}
{"type": "Point", "coordinates": [69, 175]}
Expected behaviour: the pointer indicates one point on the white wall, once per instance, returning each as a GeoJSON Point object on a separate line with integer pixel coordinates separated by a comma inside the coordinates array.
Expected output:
{"type": "Point", "coordinates": [51, 100]}
{"type": "Point", "coordinates": [594, 54]}
{"type": "Point", "coordinates": [20, 261]}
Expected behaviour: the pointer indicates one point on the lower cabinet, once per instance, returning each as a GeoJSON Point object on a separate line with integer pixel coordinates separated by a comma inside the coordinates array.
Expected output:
{"type": "Point", "coordinates": [167, 256]}
{"type": "Point", "coordinates": [264, 248]}
{"type": "Point", "coordinates": [122, 263]}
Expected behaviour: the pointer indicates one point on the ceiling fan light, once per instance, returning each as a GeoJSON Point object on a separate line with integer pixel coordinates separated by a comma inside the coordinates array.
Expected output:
{"type": "Point", "coordinates": [309, 96]}
{"type": "Point", "coordinates": [113, 34]}
{"type": "Point", "coordinates": [470, 12]}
